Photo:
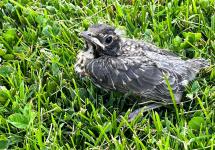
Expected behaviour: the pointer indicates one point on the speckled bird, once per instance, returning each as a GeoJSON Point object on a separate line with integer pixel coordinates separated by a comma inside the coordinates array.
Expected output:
{"type": "Point", "coordinates": [135, 66]}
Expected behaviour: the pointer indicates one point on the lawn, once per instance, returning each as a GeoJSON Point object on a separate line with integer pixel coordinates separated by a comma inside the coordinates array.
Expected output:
{"type": "Point", "coordinates": [45, 105]}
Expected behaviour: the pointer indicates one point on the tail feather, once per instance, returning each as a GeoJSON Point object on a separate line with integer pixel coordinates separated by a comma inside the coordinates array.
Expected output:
{"type": "Point", "coordinates": [194, 66]}
{"type": "Point", "coordinates": [198, 64]}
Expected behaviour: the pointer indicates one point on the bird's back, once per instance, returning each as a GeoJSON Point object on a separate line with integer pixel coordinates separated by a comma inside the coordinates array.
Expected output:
{"type": "Point", "coordinates": [164, 58]}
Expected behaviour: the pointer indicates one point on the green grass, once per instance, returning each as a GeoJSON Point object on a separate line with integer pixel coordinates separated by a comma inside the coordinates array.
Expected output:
{"type": "Point", "coordinates": [44, 105]}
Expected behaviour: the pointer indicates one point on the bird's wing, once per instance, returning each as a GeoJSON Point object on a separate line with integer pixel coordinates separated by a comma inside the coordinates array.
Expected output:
{"type": "Point", "coordinates": [136, 75]}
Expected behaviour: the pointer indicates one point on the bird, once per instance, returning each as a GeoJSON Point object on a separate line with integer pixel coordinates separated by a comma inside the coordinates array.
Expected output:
{"type": "Point", "coordinates": [117, 63]}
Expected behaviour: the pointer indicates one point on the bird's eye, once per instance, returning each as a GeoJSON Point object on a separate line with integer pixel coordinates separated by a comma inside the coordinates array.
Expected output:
{"type": "Point", "coordinates": [108, 40]}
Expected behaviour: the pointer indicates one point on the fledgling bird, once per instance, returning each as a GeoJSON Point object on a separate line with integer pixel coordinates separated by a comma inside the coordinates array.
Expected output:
{"type": "Point", "coordinates": [138, 67]}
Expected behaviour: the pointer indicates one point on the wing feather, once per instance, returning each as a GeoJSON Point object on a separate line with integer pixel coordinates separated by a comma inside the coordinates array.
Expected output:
{"type": "Point", "coordinates": [134, 75]}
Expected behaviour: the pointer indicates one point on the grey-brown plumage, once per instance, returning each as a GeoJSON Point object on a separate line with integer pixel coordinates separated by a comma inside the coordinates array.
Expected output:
{"type": "Point", "coordinates": [127, 65]}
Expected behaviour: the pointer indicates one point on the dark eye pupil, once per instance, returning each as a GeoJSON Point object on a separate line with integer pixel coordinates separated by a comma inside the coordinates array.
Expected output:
{"type": "Point", "coordinates": [108, 40]}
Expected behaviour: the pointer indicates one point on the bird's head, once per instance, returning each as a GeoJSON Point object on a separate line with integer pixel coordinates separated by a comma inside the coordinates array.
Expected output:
{"type": "Point", "coordinates": [103, 39]}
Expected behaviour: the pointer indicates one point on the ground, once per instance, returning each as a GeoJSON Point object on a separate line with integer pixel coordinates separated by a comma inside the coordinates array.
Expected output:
{"type": "Point", "coordinates": [45, 105]}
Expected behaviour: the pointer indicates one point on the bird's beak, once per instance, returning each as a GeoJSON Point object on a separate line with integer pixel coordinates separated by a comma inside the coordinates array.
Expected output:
{"type": "Point", "coordinates": [88, 36]}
